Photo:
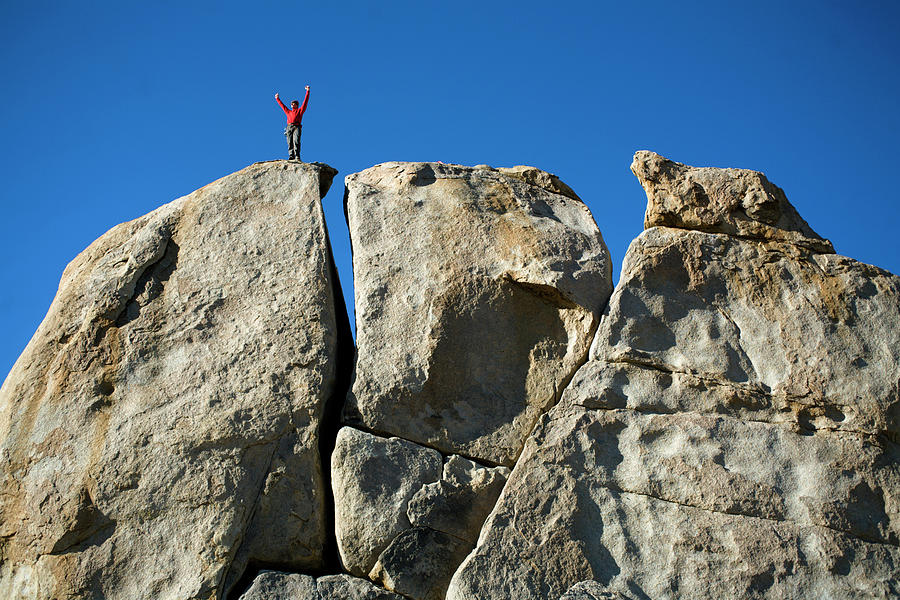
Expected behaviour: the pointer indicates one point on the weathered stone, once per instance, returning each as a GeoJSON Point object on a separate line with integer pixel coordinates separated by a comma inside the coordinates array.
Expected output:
{"type": "Point", "coordinates": [401, 518]}
{"type": "Point", "coordinates": [345, 587]}
{"type": "Point", "coordinates": [459, 503]}
{"type": "Point", "coordinates": [162, 423]}
{"type": "Point", "coordinates": [735, 432]}
{"type": "Point", "coordinates": [769, 330]}
{"type": "Point", "coordinates": [373, 479]}
{"type": "Point", "coordinates": [591, 590]}
{"type": "Point", "coordinates": [477, 293]}
{"type": "Point", "coordinates": [271, 585]}
{"type": "Point", "coordinates": [686, 506]}
{"type": "Point", "coordinates": [734, 201]}
{"type": "Point", "coordinates": [419, 563]}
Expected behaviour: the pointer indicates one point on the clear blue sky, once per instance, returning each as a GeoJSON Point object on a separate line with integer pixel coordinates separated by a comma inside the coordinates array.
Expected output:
{"type": "Point", "coordinates": [111, 109]}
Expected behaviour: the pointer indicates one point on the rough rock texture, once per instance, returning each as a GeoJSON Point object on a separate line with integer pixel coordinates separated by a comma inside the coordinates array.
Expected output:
{"type": "Point", "coordinates": [735, 432]}
{"type": "Point", "coordinates": [591, 590]}
{"type": "Point", "coordinates": [404, 517]}
{"type": "Point", "coordinates": [162, 424]}
{"type": "Point", "coordinates": [271, 585]}
{"type": "Point", "coordinates": [345, 587]}
{"type": "Point", "coordinates": [373, 479]}
{"type": "Point", "coordinates": [477, 293]}
{"type": "Point", "coordinates": [419, 563]}
{"type": "Point", "coordinates": [734, 201]}
{"type": "Point", "coordinates": [460, 501]}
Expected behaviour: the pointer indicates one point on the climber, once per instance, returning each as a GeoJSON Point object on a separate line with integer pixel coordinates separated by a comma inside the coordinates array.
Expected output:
{"type": "Point", "coordinates": [293, 129]}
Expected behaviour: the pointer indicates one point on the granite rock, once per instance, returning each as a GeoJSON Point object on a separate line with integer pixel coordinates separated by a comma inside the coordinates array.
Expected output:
{"type": "Point", "coordinates": [272, 585]}
{"type": "Point", "coordinates": [591, 590]}
{"type": "Point", "coordinates": [460, 501]}
{"type": "Point", "coordinates": [161, 427]}
{"type": "Point", "coordinates": [477, 293]}
{"type": "Point", "coordinates": [373, 479]}
{"type": "Point", "coordinates": [734, 434]}
{"type": "Point", "coordinates": [735, 201]}
{"type": "Point", "coordinates": [405, 517]}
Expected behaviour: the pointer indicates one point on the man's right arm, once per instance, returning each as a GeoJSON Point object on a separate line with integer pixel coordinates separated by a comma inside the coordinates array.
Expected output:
{"type": "Point", "coordinates": [283, 107]}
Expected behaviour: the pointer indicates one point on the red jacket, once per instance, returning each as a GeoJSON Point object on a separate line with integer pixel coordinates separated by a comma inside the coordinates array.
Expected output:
{"type": "Point", "coordinates": [294, 116]}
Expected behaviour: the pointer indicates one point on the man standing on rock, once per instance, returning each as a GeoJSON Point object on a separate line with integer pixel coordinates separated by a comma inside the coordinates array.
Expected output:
{"type": "Point", "coordinates": [293, 129]}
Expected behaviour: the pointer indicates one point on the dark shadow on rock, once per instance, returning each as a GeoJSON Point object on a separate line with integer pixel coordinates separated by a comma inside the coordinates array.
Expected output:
{"type": "Point", "coordinates": [424, 176]}
{"type": "Point", "coordinates": [150, 284]}
{"type": "Point", "coordinates": [90, 527]}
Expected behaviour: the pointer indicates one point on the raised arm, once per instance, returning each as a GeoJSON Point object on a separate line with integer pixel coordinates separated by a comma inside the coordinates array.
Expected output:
{"type": "Point", "coordinates": [283, 107]}
{"type": "Point", "coordinates": [305, 101]}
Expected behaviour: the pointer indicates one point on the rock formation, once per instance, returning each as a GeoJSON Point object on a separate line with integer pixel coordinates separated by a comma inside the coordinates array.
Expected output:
{"type": "Point", "coordinates": [162, 425]}
{"type": "Point", "coordinates": [734, 434]}
{"type": "Point", "coordinates": [477, 293]}
{"type": "Point", "coordinates": [271, 585]}
{"type": "Point", "coordinates": [725, 425]}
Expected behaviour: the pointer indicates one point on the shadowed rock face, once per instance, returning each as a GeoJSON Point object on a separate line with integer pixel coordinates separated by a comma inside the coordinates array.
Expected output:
{"type": "Point", "coordinates": [272, 585]}
{"type": "Point", "coordinates": [161, 427]}
{"type": "Point", "coordinates": [734, 434]}
{"type": "Point", "coordinates": [477, 293]}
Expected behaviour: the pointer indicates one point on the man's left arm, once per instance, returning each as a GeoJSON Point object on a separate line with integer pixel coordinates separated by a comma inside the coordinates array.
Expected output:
{"type": "Point", "coordinates": [305, 102]}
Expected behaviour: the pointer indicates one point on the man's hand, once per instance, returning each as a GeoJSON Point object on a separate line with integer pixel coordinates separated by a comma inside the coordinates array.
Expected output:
{"type": "Point", "coordinates": [276, 95]}
{"type": "Point", "coordinates": [307, 88]}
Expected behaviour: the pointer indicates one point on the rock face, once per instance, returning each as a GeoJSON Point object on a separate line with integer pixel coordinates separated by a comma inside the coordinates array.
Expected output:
{"type": "Point", "coordinates": [729, 428]}
{"type": "Point", "coordinates": [404, 517]}
{"type": "Point", "coordinates": [160, 431]}
{"type": "Point", "coordinates": [477, 293]}
{"type": "Point", "coordinates": [735, 432]}
{"type": "Point", "coordinates": [271, 585]}
{"type": "Point", "coordinates": [734, 201]}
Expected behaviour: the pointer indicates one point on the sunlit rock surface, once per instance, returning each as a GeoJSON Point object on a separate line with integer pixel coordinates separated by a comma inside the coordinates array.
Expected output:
{"type": "Point", "coordinates": [734, 434]}
{"type": "Point", "coordinates": [162, 426]}
{"type": "Point", "coordinates": [477, 293]}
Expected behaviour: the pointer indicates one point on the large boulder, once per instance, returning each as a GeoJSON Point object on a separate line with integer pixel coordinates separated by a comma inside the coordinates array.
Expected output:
{"type": "Point", "coordinates": [274, 585]}
{"type": "Point", "coordinates": [404, 516]}
{"type": "Point", "coordinates": [477, 293]}
{"type": "Point", "coordinates": [735, 433]}
{"type": "Point", "coordinates": [160, 431]}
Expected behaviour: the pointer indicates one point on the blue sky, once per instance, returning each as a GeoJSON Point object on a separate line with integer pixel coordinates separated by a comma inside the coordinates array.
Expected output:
{"type": "Point", "coordinates": [112, 109]}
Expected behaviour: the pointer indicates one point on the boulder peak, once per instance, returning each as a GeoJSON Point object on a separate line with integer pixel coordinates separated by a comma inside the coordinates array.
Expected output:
{"type": "Point", "coordinates": [738, 202]}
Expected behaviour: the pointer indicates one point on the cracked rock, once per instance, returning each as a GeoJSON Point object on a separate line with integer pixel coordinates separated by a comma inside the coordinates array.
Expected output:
{"type": "Point", "coordinates": [272, 585]}
{"type": "Point", "coordinates": [373, 479]}
{"type": "Point", "coordinates": [460, 501]}
{"type": "Point", "coordinates": [161, 426]}
{"type": "Point", "coordinates": [405, 517]}
{"type": "Point", "coordinates": [419, 562]}
{"type": "Point", "coordinates": [734, 434]}
{"type": "Point", "coordinates": [477, 293]}
{"type": "Point", "coordinates": [591, 590]}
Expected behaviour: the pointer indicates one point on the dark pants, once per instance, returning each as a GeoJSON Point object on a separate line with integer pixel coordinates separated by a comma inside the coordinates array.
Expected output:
{"type": "Point", "coordinates": [292, 133]}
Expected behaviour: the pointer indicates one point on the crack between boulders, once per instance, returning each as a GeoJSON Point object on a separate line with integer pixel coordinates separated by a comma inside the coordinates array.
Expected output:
{"type": "Point", "coordinates": [558, 394]}
{"type": "Point", "coordinates": [866, 539]}
{"type": "Point", "coordinates": [812, 246]}
{"type": "Point", "coordinates": [444, 453]}
{"type": "Point", "coordinates": [334, 404]}
{"type": "Point", "coordinates": [559, 390]}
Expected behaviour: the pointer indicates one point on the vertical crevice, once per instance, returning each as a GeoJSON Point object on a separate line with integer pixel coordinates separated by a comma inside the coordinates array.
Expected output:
{"type": "Point", "coordinates": [331, 416]}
